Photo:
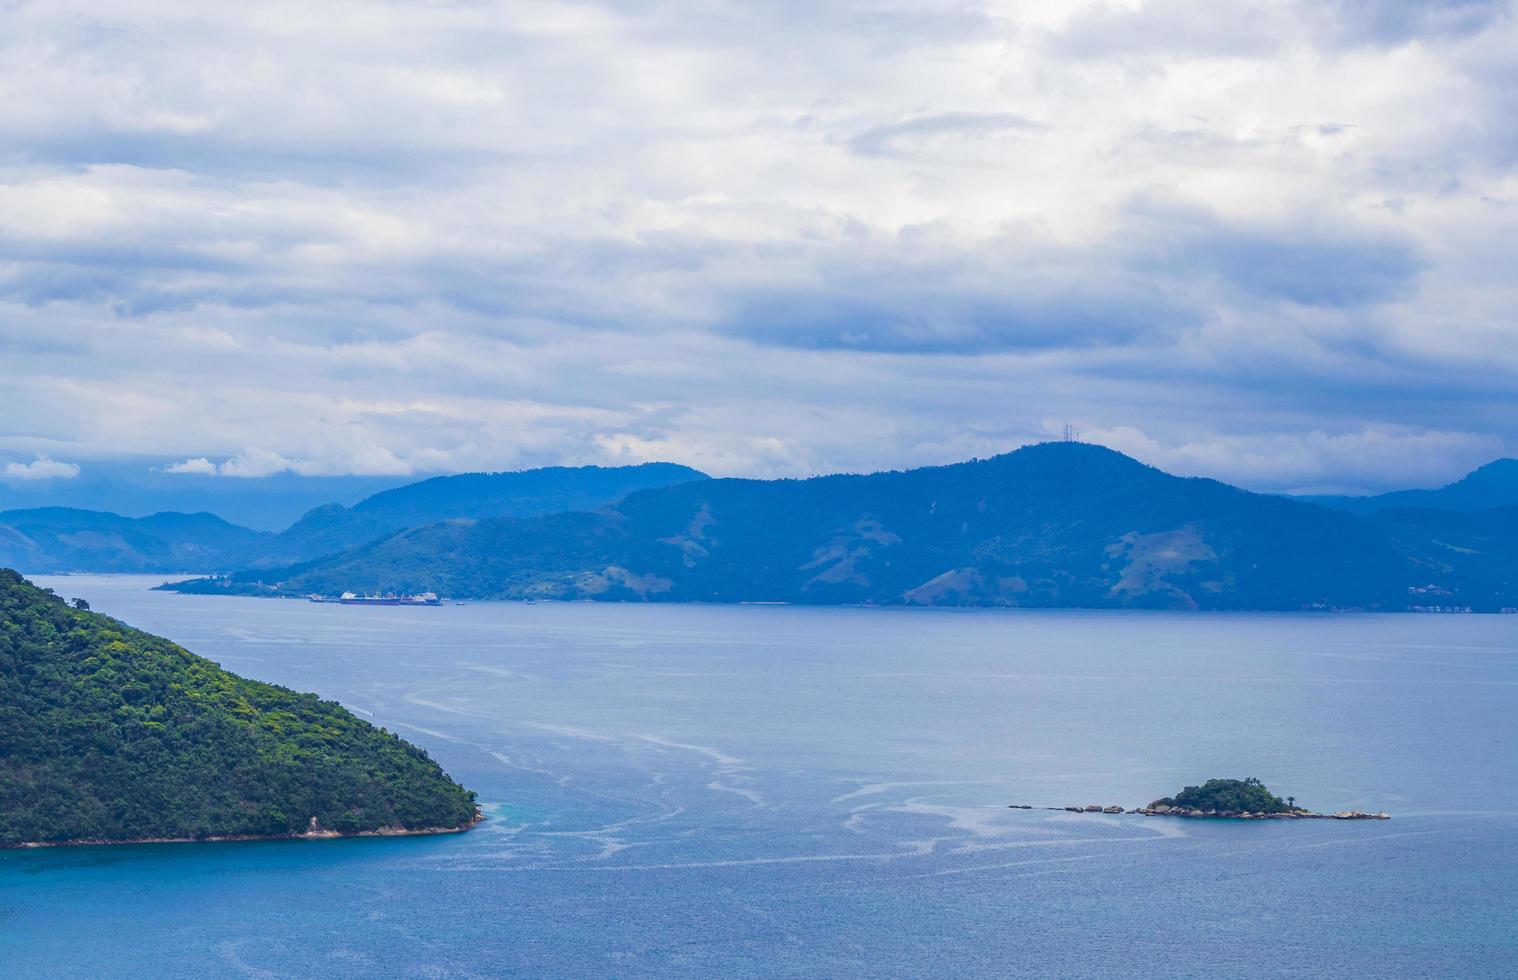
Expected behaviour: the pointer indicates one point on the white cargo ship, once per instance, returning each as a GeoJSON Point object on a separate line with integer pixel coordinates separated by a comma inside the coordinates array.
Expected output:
{"type": "Point", "coordinates": [386, 599]}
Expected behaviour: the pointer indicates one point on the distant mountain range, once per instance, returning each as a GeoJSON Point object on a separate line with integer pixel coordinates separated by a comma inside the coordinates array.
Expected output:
{"type": "Point", "coordinates": [1493, 485]}
{"type": "Point", "coordinates": [468, 496]}
{"type": "Point", "coordinates": [48, 539]}
{"type": "Point", "coordinates": [67, 539]}
{"type": "Point", "coordinates": [140, 486]}
{"type": "Point", "coordinates": [1058, 524]}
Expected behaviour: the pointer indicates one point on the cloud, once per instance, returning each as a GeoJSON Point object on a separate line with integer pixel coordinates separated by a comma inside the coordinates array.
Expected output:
{"type": "Point", "coordinates": [768, 238]}
{"type": "Point", "coordinates": [915, 136]}
{"type": "Point", "coordinates": [1312, 461]}
{"type": "Point", "coordinates": [1259, 28]}
{"type": "Point", "coordinates": [1297, 260]}
{"type": "Point", "coordinates": [1399, 21]}
{"type": "Point", "coordinates": [199, 466]}
{"type": "Point", "coordinates": [253, 462]}
{"type": "Point", "coordinates": [963, 308]}
{"type": "Point", "coordinates": [41, 468]}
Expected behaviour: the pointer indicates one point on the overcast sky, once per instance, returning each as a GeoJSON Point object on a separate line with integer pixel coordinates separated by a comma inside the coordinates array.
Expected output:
{"type": "Point", "coordinates": [1269, 241]}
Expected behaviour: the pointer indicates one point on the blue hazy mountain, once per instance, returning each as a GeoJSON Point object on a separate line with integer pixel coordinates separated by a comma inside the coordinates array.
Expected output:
{"type": "Point", "coordinates": [139, 487]}
{"type": "Point", "coordinates": [48, 539]}
{"type": "Point", "coordinates": [1459, 553]}
{"type": "Point", "coordinates": [1493, 485]}
{"type": "Point", "coordinates": [72, 539]}
{"type": "Point", "coordinates": [1058, 524]}
{"type": "Point", "coordinates": [466, 496]}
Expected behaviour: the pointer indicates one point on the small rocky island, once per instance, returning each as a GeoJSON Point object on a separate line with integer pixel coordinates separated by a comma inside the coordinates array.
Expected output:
{"type": "Point", "coordinates": [1227, 799]}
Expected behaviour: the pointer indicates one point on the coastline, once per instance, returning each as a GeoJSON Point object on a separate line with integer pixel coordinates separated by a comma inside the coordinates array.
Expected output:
{"type": "Point", "coordinates": [273, 592]}
{"type": "Point", "coordinates": [316, 834]}
{"type": "Point", "coordinates": [1195, 814]}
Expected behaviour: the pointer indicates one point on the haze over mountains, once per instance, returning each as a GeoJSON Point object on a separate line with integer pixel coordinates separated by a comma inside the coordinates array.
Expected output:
{"type": "Point", "coordinates": [68, 539]}
{"type": "Point", "coordinates": [471, 496]}
{"type": "Point", "coordinates": [139, 487]}
{"type": "Point", "coordinates": [1058, 524]}
{"type": "Point", "coordinates": [1492, 485]}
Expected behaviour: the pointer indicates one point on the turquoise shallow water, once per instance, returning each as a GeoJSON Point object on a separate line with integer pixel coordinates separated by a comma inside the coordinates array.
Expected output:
{"type": "Point", "coordinates": [798, 792]}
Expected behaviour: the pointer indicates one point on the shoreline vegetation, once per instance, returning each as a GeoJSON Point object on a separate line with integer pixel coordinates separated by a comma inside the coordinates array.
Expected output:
{"type": "Point", "coordinates": [316, 832]}
{"type": "Point", "coordinates": [111, 734]}
{"type": "Point", "coordinates": [1221, 799]}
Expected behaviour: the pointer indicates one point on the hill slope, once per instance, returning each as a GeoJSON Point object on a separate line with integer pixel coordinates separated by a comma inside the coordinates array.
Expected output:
{"type": "Point", "coordinates": [1493, 485]}
{"type": "Point", "coordinates": [1459, 554]}
{"type": "Point", "coordinates": [525, 493]}
{"type": "Point", "coordinates": [1049, 525]}
{"type": "Point", "coordinates": [66, 539]}
{"type": "Point", "coordinates": [111, 733]}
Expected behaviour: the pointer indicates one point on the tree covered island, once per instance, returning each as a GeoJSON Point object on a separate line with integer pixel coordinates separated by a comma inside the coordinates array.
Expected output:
{"type": "Point", "coordinates": [1233, 799]}
{"type": "Point", "coordinates": [110, 734]}
{"type": "Point", "coordinates": [1228, 796]}
{"type": "Point", "coordinates": [1241, 799]}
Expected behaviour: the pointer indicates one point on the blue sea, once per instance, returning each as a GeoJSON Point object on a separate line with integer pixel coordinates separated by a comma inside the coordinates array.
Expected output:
{"type": "Point", "coordinates": [779, 791]}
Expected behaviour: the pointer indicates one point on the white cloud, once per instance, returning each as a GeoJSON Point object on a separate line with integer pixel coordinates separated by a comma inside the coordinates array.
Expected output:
{"type": "Point", "coordinates": [763, 237]}
{"type": "Point", "coordinates": [1311, 461]}
{"type": "Point", "coordinates": [41, 468]}
{"type": "Point", "coordinates": [253, 462]}
{"type": "Point", "coordinates": [199, 466]}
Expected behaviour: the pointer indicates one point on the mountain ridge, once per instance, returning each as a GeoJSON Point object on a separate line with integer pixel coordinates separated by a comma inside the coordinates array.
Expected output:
{"type": "Point", "coordinates": [71, 538]}
{"type": "Point", "coordinates": [58, 538]}
{"type": "Point", "coordinates": [511, 493]}
{"type": "Point", "coordinates": [1055, 524]}
{"type": "Point", "coordinates": [1489, 486]}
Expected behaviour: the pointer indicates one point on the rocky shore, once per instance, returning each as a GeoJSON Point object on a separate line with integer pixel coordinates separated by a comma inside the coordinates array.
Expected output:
{"type": "Point", "coordinates": [314, 832]}
{"type": "Point", "coordinates": [1181, 811]}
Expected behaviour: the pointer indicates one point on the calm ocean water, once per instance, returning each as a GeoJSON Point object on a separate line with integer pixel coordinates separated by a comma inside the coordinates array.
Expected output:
{"type": "Point", "coordinates": [772, 791]}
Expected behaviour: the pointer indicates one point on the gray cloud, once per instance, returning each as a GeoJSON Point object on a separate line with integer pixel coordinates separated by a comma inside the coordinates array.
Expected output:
{"type": "Point", "coordinates": [906, 137]}
{"type": "Point", "coordinates": [1269, 243]}
{"type": "Point", "coordinates": [1297, 261]}
{"type": "Point", "coordinates": [1162, 28]}
{"type": "Point", "coordinates": [1398, 21]}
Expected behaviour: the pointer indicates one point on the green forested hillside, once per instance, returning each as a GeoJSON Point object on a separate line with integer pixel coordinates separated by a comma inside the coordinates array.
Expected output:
{"type": "Point", "coordinates": [107, 732]}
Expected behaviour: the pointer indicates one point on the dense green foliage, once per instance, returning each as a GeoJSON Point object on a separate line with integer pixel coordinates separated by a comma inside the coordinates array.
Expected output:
{"type": "Point", "coordinates": [107, 732]}
{"type": "Point", "coordinates": [1228, 796]}
{"type": "Point", "coordinates": [1059, 524]}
